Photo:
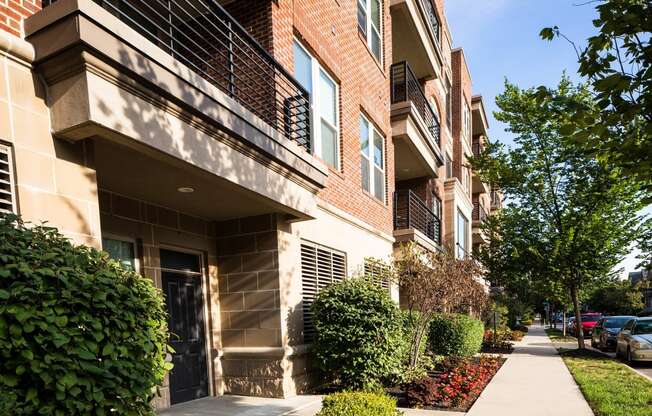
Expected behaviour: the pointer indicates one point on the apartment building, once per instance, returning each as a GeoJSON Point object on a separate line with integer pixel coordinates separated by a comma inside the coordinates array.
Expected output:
{"type": "Point", "coordinates": [241, 154]}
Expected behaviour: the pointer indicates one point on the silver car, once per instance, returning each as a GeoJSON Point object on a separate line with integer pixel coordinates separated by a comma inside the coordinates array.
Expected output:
{"type": "Point", "coordinates": [634, 342]}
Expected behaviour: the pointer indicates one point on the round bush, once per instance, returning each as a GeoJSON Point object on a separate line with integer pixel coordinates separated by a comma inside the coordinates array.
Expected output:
{"type": "Point", "coordinates": [358, 404]}
{"type": "Point", "coordinates": [455, 334]}
{"type": "Point", "coordinates": [79, 335]}
{"type": "Point", "coordinates": [358, 333]}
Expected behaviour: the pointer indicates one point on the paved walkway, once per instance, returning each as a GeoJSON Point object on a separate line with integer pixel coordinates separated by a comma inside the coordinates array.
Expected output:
{"type": "Point", "coordinates": [534, 381]}
{"type": "Point", "coordinates": [247, 406]}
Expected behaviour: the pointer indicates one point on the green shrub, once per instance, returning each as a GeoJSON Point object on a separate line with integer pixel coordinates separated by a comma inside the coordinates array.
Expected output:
{"type": "Point", "coordinates": [408, 372]}
{"type": "Point", "coordinates": [359, 334]}
{"type": "Point", "coordinates": [79, 335]}
{"type": "Point", "coordinates": [455, 334]}
{"type": "Point", "coordinates": [358, 404]}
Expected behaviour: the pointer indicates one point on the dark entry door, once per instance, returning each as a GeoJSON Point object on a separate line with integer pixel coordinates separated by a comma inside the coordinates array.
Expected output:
{"type": "Point", "coordinates": [182, 282]}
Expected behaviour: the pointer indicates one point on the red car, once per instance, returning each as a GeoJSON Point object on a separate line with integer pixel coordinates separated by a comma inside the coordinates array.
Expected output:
{"type": "Point", "coordinates": [588, 322]}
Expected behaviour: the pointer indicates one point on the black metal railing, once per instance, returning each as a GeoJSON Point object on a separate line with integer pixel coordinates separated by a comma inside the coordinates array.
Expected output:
{"type": "Point", "coordinates": [406, 87]}
{"type": "Point", "coordinates": [496, 200]}
{"type": "Point", "coordinates": [477, 148]}
{"type": "Point", "coordinates": [433, 20]}
{"type": "Point", "coordinates": [410, 212]}
{"type": "Point", "coordinates": [205, 37]}
{"type": "Point", "coordinates": [479, 213]}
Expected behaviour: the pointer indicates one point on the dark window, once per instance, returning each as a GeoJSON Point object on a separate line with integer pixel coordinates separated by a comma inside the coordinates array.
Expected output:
{"type": "Point", "coordinates": [362, 17]}
{"type": "Point", "coordinates": [320, 266]}
{"type": "Point", "coordinates": [122, 251]}
{"type": "Point", "coordinates": [180, 261]}
{"type": "Point", "coordinates": [7, 191]}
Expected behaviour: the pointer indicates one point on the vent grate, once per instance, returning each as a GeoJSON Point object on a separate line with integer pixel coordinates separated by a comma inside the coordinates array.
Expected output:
{"type": "Point", "coordinates": [7, 193]}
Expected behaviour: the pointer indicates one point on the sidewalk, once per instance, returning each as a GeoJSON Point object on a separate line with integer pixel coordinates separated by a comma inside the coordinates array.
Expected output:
{"type": "Point", "coordinates": [534, 381]}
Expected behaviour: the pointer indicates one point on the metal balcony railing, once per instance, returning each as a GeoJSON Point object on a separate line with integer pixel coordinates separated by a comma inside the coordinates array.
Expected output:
{"type": "Point", "coordinates": [479, 213]}
{"type": "Point", "coordinates": [204, 37]}
{"type": "Point", "coordinates": [477, 148]}
{"type": "Point", "coordinates": [496, 201]}
{"type": "Point", "coordinates": [406, 87]}
{"type": "Point", "coordinates": [433, 20]}
{"type": "Point", "coordinates": [410, 212]}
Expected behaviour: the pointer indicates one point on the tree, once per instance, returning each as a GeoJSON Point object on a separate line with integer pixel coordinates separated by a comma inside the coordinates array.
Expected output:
{"type": "Point", "coordinates": [617, 298]}
{"type": "Point", "coordinates": [617, 62]}
{"type": "Point", "coordinates": [571, 217]}
{"type": "Point", "coordinates": [433, 282]}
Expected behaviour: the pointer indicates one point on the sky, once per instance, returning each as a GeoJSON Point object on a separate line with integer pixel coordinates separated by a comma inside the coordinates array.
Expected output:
{"type": "Point", "coordinates": [501, 41]}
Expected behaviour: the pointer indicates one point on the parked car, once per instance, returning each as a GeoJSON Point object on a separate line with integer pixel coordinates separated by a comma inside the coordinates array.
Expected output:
{"type": "Point", "coordinates": [588, 322]}
{"type": "Point", "coordinates": [634, 342]}
{"type": "Point", "coordinates": [606, 330]}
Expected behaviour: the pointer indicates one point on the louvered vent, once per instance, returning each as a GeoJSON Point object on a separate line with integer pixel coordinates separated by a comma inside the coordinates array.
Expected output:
{"type": "Point", "coordinates": [378, 272]}
{"type": "Point", "coordinates": [7, 194]}
{"type": "Point", "coordinates": [320, 266]}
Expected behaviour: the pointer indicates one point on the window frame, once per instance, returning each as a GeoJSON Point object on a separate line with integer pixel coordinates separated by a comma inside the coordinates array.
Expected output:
{"type": "Point", "coordinates": [464, 247]}
{"type": "Point", "coordinates": [316, 97]}
{"type": "Point", "coordinates": [123, 239]}
{"type": "Point", "coordinates": [369, 26]}
{"type": "Point", "coordinates": [372, 131]}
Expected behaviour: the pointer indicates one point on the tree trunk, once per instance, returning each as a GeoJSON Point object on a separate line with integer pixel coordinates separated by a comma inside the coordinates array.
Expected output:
{"type": "Point", "coordinates": [563, 321]}
{"type": "Point", "coordinates": [578, 316]}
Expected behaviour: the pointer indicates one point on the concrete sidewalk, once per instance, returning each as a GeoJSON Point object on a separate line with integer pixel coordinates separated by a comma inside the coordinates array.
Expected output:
{"type": "Point", "coordinates": [534, 381]}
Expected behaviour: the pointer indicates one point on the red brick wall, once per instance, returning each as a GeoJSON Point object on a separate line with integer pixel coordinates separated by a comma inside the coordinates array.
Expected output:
{"type": "Point", "coordinates": [13, 12]}
{"type": "Point", "coordinates": [329, 29]}
{"type": "Point", "coordinates": [461, 93]}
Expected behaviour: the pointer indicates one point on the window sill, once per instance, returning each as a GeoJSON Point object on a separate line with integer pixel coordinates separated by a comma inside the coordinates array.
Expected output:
{"type": "Point", "coordinates": [374, 198]}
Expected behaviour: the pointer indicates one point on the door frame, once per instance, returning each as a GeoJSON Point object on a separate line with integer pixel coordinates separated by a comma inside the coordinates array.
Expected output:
{"type": "Point", "coordinates": [205, 285]}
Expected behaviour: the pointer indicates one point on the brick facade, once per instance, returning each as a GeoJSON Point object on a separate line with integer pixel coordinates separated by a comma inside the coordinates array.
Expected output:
{"type": "Point", "coordinates": [13, 12]}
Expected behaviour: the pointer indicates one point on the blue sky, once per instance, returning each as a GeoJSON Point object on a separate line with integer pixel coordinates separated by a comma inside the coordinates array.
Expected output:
{"type": "Point", "coordinates": [501, 40]}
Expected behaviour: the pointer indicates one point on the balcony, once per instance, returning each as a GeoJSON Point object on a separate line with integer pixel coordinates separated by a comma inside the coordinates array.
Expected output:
{"type": "Point", "coordinates": [479, 213]}
{"type": "Point", "coordinates": [416, 36]}
{"type": "Point", "coordinates": [412, 215]}
{"type": "Point", "coordinates": [496, 198]}
{"type": "Point", "coordinates": [205, 38]}
{"type": "Point", "coordinates": [477, 148]}
{"type": "Point", "coordinates": [183, 85]}
{"type": "Point", "coordinates": [415, 126]}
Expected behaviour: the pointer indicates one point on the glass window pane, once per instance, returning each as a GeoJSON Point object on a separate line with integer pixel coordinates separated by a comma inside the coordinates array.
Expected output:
{"type": "Point", "coordinates": [362, 17]}
{"type": "Point", "coordinates": [327, 99]}
{"type": "Point", "coordinates": [379, 184]}
{"type": "Point", "coordinates": [329, 144]}
{"type": "Point", "coordinates": [364, 136]}
{"type": "Point", "coordinates": [122, 251]}
{"type": "Point", "coordinates": [375, 43]}
{"type": "Point", "coordinates": [364, 171]}
{"type": "Point", "coordinates": [378, 150]}
{"type": "Point", "coordinates": [302, 67]}
{"type": "Point", "coordinates": [375, 13]}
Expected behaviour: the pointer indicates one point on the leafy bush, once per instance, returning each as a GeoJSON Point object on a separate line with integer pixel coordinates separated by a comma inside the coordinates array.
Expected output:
{"type": "Point", "coordinates": [79, 334]}
{"type": "Point", "coordinates": [358, 404]}
{"type": "Point", "coordinates": [359, 334]}
{"type": "Point", "coordinates": [455, 334]}
{"type": "Point", "coordinates": [407, 371]}
{"type": "Point", "coordinates": [521, 328]}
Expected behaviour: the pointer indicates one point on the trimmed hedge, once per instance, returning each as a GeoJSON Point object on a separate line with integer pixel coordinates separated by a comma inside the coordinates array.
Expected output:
{"type": "Point", "coordinates": [358, 333]}
{"type": "Point", "coordinates": [358, 404]}
{"type": "Point", "coordinates": [455, 334]}
{"type": "Point", "coordinates": [79, 335]}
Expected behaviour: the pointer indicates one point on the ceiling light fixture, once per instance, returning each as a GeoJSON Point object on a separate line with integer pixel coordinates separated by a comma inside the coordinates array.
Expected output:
{"type": "Point", "coordinates": [186, 190]}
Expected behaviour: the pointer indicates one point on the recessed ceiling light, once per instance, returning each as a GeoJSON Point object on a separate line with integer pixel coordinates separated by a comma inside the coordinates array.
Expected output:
{"type": "Point", "coordinates": [186, 190]}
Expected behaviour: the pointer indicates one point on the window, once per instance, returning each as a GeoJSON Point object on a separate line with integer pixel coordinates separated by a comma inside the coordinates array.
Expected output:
{"type": "Point", "coordinates": [371, 27]}
{"type": "Point", "coordinates": [449, 167]}
{"type": "Point", "coordinates": [378, 272]}
{"type": "Point", "coordinates": [324, 104]}
{"type": "Point", "coordinates": [462, 228]}
{"type": "Point", "coordinates": [320, 266]}
{"type": "Point", "coordinates": [122, 251]}
{"type": "Point", "coordinates": [466, 122]}
{"type": "Point", "coordinates": [435, 205]}
{"type": "Point", "coordinates": [449, 106]}
{"type": "Point", "coordinates": [7, 191]}
{"type": "Point", "coordinates": [372, 159]}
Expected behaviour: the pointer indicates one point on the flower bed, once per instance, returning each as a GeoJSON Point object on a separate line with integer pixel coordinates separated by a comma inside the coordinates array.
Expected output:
{"type": "Point", "coordinates": [455, 387]}
{"type": "Point", "coordinates": [501, 342]}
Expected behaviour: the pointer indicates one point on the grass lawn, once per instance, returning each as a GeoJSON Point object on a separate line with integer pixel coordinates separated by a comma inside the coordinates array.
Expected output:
{"type": "Point", "coordinates": [610, 387]}
{"type": "Point", "coordinates": [556, 335]}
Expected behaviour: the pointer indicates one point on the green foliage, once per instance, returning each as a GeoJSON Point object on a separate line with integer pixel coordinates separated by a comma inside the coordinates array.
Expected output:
{"type": "Point", "coordinates": [79, 335]}
{"type": "Point", "coordinates": [358, 404]}
{"type": "Point", "coordinates": [571, 217]}
{"type": "Point", "coordinates": [407, 371]}
{"type": "Point", "coordinates": [617, 61]}
{"type": "Point", "coordinates": [359, 335]}
{"type": "Point", "coordinates": [455, 334]}
{"type": "Point", "coordinates": [617, 298]}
